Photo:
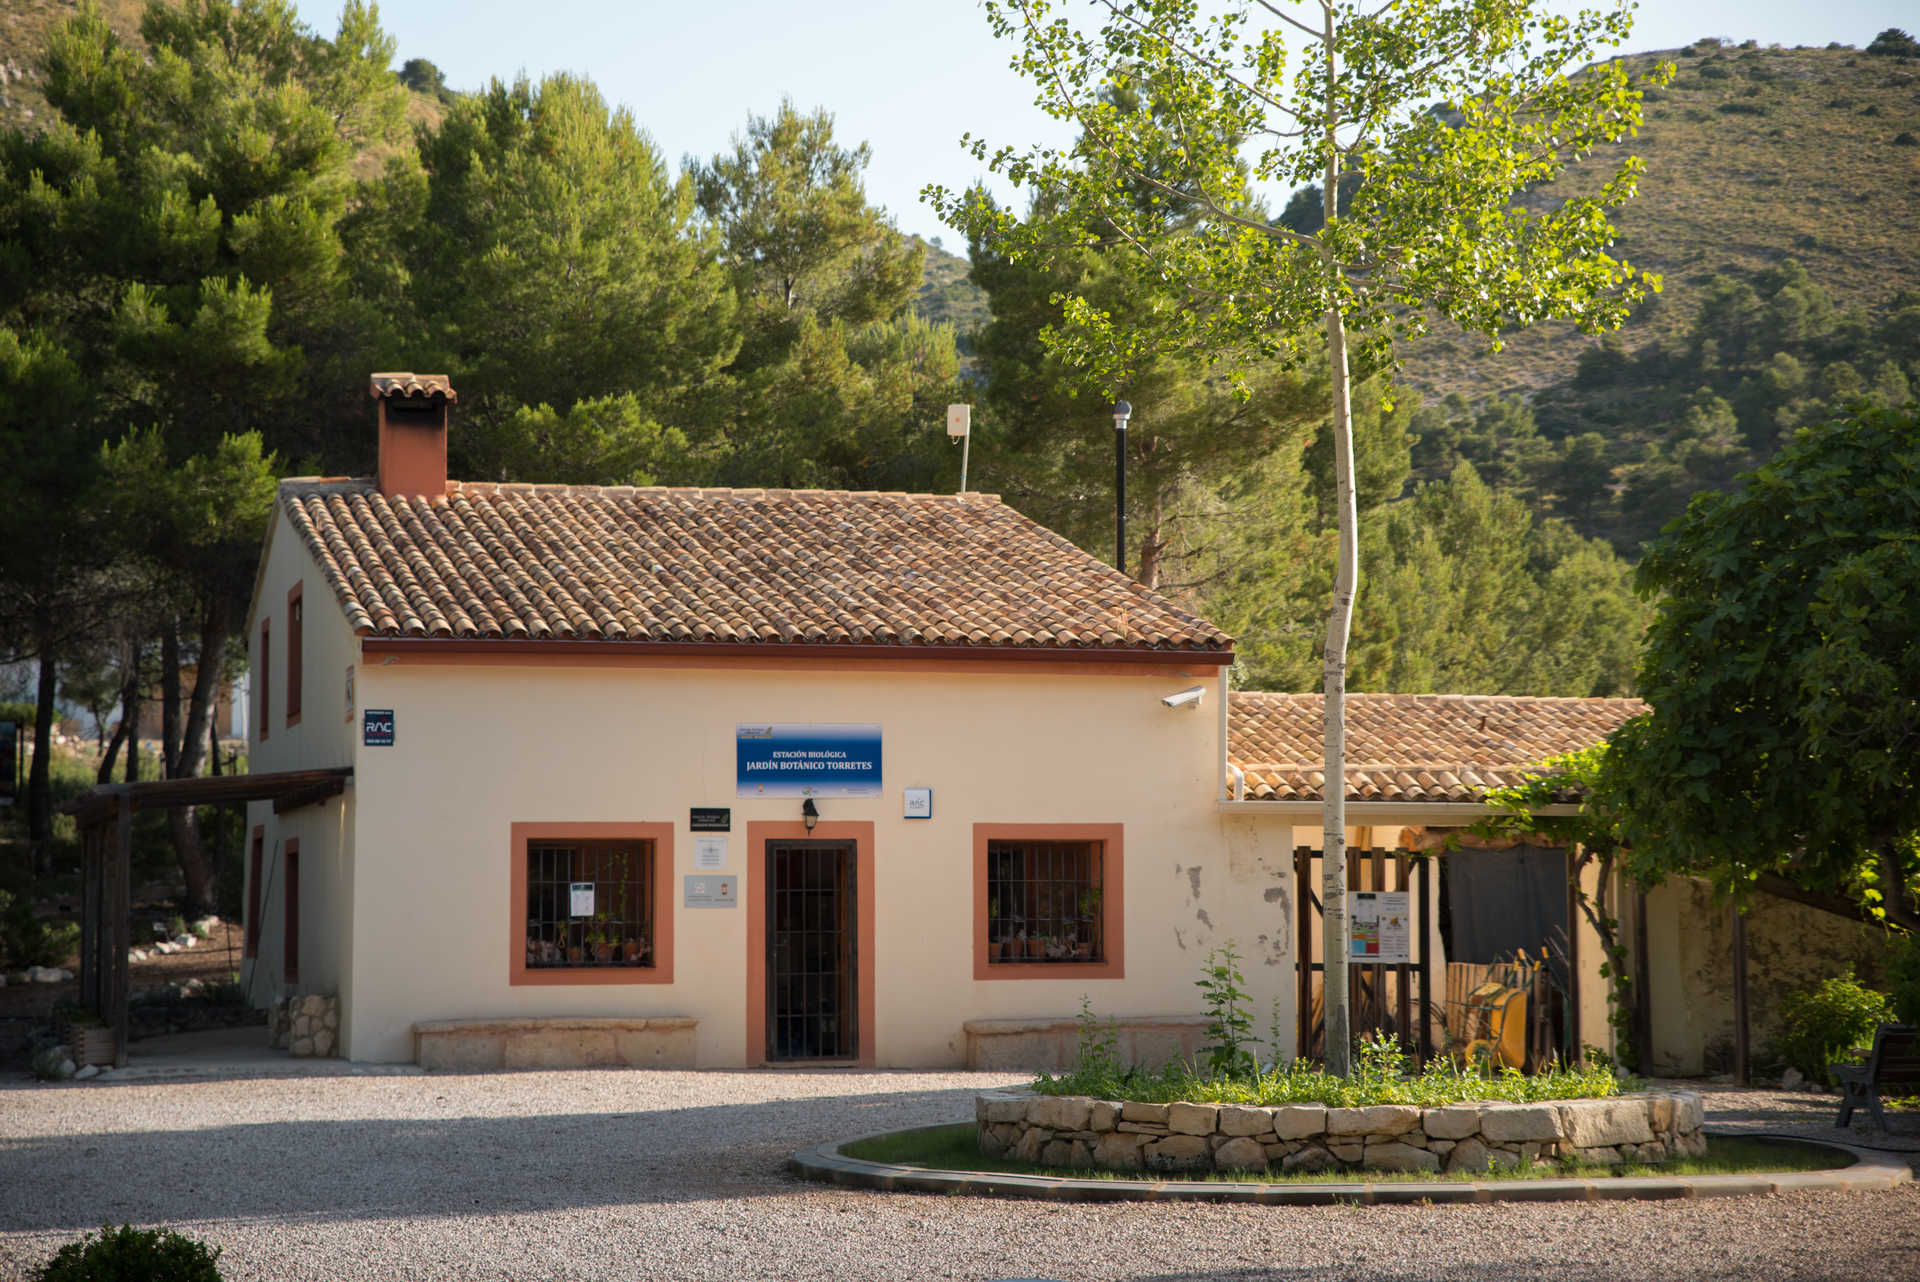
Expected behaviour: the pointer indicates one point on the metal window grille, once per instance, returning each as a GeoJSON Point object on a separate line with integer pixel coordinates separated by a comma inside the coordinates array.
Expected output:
{"type": "Point", "coordinates": [618, 932]}
{"type": "Point", "coordinates": [1045, 902]}
{"type": "Point", "coordinates": [812, 951]}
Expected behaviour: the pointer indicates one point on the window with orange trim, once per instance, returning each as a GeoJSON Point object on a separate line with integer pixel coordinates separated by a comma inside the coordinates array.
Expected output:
{"type": "Point", "coordinates": [1047, 901]}
{"type": "Point", "coordinates": [295, 653]}
{"type": "Point", "coordinates": [589, 903]}
{"type": "Point", "coordinates": [255, 853]}
{"type": "Point", "coordinates": [265, 677]}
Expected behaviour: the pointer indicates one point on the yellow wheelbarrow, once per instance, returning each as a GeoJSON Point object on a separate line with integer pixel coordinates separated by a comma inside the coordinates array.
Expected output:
{"type": "Point", "coordinates": [1497, 1018]}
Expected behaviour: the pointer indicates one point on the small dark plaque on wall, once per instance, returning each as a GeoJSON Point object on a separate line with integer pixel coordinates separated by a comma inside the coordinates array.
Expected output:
{"type": "Point", "coordinates": [710, 819]}
{"type": "Point", "coordinates": [377, 728]}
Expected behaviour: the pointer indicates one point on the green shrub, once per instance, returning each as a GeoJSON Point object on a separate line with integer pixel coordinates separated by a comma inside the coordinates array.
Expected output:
{"type": "Point", "coordinates": [127, 1254]}
{"type": "Point", "coordinates": [1229, 1026]}
{"type": "Point", "coordinates": [1232, 1074]}
{"type": "Point", "coordinates": [25, 940]}
{"type": "Point", "coordinates": [1822, 1024]}
{"type": "Point", "coordinates": [1903, 980]}
{"type": "Point", "coordinates": [1905, 138]}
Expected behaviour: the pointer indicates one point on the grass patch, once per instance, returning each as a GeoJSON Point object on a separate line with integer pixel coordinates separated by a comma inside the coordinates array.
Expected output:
{"type": "Point", "coordinates": [953, 1148]}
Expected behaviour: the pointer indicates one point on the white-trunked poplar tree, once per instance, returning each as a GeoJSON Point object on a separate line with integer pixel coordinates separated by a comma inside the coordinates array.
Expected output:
{"type": "Point", "coordinates": [1422, 122]}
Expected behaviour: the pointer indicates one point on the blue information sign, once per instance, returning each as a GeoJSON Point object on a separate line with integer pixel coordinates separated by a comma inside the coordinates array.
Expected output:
{"type": "Point", "coordinates": [376, 728]}
{"type": "Point", "coordinates": [774, 760]}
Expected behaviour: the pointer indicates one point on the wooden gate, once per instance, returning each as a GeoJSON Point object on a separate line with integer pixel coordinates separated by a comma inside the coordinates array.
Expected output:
{"type": "Point", "coordinates": [1383, 996]}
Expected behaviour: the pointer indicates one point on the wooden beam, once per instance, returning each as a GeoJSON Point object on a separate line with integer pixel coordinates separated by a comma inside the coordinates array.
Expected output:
{"type": "Point", "coordinates": [308, 796]}
{"type": "Point", "coordinates": [121, 930]}
{"type": "Point", "coordinates": [1740, 1065]}
{"type": "Point", "coordinates": [1642, 977]}
{"type": "Point", "coordinates": [1578, 1051]}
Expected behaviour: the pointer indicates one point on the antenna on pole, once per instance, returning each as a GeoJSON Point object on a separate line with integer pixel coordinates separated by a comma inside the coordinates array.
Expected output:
{"type": "Point", "coordinates": [959, 424]}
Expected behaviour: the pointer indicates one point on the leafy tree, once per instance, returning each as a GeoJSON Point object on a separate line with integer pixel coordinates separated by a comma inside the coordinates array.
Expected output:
{"type": "Point", "coordinates": [1475, 596]}
{"type": "Point", "coordinates": [560, 269]}
{"type": "Point", "coordinates": [1783, 673]}
{"type": "Point", "coordinates": [1048, 440]}
{"type": "Point", "coordinates": [172, 267]}
{"type": "Point", "coordinates": [835, 383]}
{"type": "Point", "coordinates": [1431, 230]}
{"type": "Point", "coordinates": [795, 229]}
{"type": "Point", "coordinates": [1894, 43]}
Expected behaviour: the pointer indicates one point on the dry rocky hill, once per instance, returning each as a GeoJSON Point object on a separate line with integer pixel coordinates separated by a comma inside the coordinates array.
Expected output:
{"type": "Point", "coordinates": [1752, 156]}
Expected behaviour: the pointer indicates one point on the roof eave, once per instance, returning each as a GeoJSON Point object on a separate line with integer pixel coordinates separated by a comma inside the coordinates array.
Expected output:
{"type": "Point", "coordinates": [541, 648]}
{"type": "Point", "coordinates": [1361, 814]}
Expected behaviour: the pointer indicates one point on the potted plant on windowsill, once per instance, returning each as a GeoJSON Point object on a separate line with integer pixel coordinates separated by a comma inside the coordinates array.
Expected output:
{"type": "Point", "coordinates": [1037, 947]}
{"type": "Point", "coordinates": [634, 950]}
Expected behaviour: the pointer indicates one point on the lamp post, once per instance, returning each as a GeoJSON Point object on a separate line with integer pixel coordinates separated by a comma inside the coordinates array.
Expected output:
{"type": "Point", "coordinates": [1122, 411]}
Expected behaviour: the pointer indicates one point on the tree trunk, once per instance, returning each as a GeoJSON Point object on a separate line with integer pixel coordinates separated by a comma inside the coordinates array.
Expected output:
{"type": "Point", "coordinates": [40, 775]}
{"type": "Point", "coordinates": [131, 696]}
{"type": "Point", "coordinates": [170, 700]}
{"type": "Point", "coordinates": [182, 822]}
{"type": "Point", "coordinates": [1333, 886]}
{"type": "Point", "coordinates": [111, 753]}
{"type": "Point", "coordinates": [1153, 549]}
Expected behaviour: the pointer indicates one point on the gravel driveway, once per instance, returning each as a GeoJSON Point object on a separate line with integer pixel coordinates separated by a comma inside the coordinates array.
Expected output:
{"type": "Point", "coordinates": [633, 1174]}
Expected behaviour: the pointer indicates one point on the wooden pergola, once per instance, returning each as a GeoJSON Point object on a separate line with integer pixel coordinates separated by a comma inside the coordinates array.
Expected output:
{"type": "Point", "coordinates": [106, 848]}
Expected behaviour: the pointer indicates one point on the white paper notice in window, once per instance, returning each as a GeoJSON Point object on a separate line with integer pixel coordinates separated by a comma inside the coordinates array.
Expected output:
{"type": "Point", "coordinates": [710, 853]}
{"type": "Point", "coordinates": [582, 898]}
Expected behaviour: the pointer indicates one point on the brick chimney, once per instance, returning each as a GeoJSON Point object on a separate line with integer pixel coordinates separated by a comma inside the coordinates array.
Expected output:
{"type": "Point", "coordinates": [413, 432]}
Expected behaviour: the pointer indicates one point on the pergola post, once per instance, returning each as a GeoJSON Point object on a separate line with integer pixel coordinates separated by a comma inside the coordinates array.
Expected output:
{"type": "Point", "coordinates": [120, 927]}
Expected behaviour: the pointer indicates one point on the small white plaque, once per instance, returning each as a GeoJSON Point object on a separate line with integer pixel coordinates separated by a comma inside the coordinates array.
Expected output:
{"type": "Point", "coordinates": [582, 898]}
{"type": "Point", "coordinates": [710, 853]}
{"type": "Point", "coordinates": [919, 803]}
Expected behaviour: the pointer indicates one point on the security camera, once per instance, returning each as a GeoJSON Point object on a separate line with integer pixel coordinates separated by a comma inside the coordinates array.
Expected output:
{"type": "Point", "coordinates": [1186, 698]}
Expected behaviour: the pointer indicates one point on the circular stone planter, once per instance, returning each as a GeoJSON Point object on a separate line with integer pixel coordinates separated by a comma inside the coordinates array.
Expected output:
{"type": "Point", "coordinates": [1074, 1131]}
{"type": "Point", "coordinates": [829, 1164]}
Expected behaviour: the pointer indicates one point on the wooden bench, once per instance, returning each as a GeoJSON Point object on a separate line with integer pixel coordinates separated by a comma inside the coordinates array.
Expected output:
{"type": "Point", "coordinates": [1892, 1069]}
{"type": "Point", "coordinates": [474, 1045]}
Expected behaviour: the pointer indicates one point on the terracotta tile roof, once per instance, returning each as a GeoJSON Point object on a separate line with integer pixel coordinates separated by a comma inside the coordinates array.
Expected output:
{"type": "Point", "coordinates": [1410, 747]}
{"type": "Point", "coordinates": [401, 383]}
{"type": "Point", "coordinates": [555, 562]}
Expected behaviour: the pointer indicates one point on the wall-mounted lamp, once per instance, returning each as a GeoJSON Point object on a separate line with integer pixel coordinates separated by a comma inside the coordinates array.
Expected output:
{"type": "Point", "coordinates": [809, 813]}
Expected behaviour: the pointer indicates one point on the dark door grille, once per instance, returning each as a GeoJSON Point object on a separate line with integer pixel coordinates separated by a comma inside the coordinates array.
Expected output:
{"type": "Point", "coordinates": [811, 955]}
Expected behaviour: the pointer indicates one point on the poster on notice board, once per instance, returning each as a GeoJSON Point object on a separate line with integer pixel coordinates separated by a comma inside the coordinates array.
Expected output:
{"type": "Point", "coordinates": [1377, 920]}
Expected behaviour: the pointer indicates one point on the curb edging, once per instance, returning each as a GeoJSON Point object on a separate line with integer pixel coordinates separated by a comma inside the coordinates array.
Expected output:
{"type": "Point", "coordinates": [828, 1164]}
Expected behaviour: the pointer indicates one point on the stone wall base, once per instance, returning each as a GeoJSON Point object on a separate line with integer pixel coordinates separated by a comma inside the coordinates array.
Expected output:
{"type": "Point", "coordinates": [1078, 1132]}
{"type": "Point", "coordinates": [475, 1045]}
{"type": "Point", "coordinates": [306, 1027]}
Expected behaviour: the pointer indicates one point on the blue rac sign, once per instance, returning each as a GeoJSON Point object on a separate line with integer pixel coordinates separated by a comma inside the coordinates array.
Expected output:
{"type": "Point", "coordinates": [776, 760]}
{"type": "Point", "coordinates": [376, 728]}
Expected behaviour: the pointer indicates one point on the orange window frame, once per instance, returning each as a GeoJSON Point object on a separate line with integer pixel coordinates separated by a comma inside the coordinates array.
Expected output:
{"type": "Point", "coordinates": [1113, 916]}
{"type": "Point", "coordinates": [256, 856]}
{"type": "Point", "coordinates": [266, 677]}
{"type": "Point", "coordinates": [521, 835]}
{"type": "Point", "coordinates": [296, 652]}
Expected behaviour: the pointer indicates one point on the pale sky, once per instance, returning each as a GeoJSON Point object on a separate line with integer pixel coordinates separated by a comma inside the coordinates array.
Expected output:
{"type": "Point", "coordinates": [907, 78]}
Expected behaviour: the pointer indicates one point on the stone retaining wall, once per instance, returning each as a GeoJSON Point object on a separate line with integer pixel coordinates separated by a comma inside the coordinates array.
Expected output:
{"type": "Point", "coordinates": [1075, 1131]}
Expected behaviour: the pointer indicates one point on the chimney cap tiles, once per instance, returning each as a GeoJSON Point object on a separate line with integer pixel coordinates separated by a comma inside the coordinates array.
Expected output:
{"type": "Point", "coordinates": [410, 385]}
